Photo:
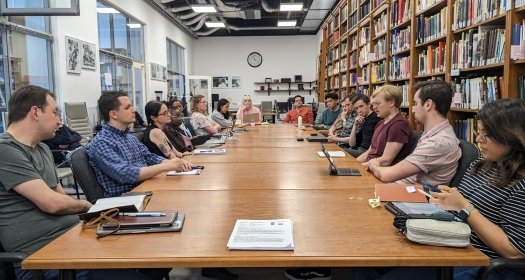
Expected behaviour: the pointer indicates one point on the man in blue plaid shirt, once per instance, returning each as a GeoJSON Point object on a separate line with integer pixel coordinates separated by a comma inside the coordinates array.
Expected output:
{"type": "Point", "coordinates": [119, 159]}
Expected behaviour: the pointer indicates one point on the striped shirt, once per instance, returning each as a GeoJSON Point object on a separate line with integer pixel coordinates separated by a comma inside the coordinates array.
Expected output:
{"type": "Point", "coordinates": [505, 207]}
{"type": "Point", "coordinates": [117, 157]}
{"type": "Point", "coordinates": [347, 125]}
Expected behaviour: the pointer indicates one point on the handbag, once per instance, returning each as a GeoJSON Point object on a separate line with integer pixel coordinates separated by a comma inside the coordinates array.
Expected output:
{"type": "Point", "coordinates": [434, 232]}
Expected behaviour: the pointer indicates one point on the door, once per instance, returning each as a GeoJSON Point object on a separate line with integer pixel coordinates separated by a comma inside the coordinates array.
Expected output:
{"type": "Point", "coordinates": [199, 85]}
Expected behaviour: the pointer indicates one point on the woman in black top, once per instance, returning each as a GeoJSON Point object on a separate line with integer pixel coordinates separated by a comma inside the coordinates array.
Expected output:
{"type": "Point", "coordinates": [158, 116]}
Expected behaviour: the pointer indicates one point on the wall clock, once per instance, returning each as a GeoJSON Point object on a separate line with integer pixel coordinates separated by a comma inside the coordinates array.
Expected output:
{"type": "Point", "coordinates": [254, 59]}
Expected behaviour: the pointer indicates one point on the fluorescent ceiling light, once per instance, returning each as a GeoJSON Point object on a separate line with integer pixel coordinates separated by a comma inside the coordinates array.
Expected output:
{"type": "Point", "coordinates": [134, 25]}
{"type": "Point", "coordinates": [107, 11]}
{"type": "Point", "coordinates": [215, 24]}
{"type": "Point", "coordinates": [291, 7]}
{"type": "Point", "coordinates": [204, 8]}
{"type": "Point", "coordinates": [286, 23]}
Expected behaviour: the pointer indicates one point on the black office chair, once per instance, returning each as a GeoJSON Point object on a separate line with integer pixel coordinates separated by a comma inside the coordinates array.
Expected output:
{"type": "Point", "coordinates": [498, 263]}
{"type": "Point", "coordinates": [469, 153]}
{"type": "Point", "coordinates": [85, 175]}
{"type": "Point", "coordinates": [7, 270]}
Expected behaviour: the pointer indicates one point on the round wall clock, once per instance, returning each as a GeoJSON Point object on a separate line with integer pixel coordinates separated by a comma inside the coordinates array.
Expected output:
{"type": "Point", "coordinates": [254, 59]}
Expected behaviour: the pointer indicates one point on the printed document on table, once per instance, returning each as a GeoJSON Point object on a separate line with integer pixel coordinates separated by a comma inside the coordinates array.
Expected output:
{"type": "Point", "coordinates": [333, 154]}
{"type": "Point", "coordinates": [262, 235]}
{"type": "Point", "coordinates": [179, 173]}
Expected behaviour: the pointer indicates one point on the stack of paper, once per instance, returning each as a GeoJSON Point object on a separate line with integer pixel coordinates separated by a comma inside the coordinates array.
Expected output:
{"type": "Point", "coordinates": [179, 173]}
{"type": "Point", "coordinates": [332, 154]}
{"type": "Point", "coordinates": [209, 151]}
{"type": "Point", "coordinates": [262, 235]}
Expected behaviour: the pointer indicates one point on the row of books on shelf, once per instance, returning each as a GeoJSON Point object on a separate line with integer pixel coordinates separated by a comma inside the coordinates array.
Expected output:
{"type": "Point", "coordinates": [432, 60]}
{"type": "Point", "coordinates": [404, 89]}
{"type": "Point", "coordinates": [399, 68]}
{"type": "Point", "coordinates": [473, 93]}
{"type": "Point", "coordinates": [521, 87]}
{"type": "Point", "coordinates": [352, 20]}
{"type": "Point", "coordinates": [364, 35]}
{"type": "Point", "coordinates": [477, 47]}
{"type": "Point", "coordinates": [378, 72]}
{"type": "Point", "coordinates": [380, 48]}
{"type": "Point", "coordinates": [425, 4]}
{"type": "Point", "coordinates": [517, 46]}
{"type": "Point", "coordinates": [334, 37]}
{"type": "Point", "coordinates": [364, 10]}
{"type": "Point", "coordinates": [381, 24]}
{"type": "Point", "coordinates": [400, 40]}
{"type": "Point", "coordinates": [364, 53]}
{"type": "Point", "coordinates": [520, 3]}
{"type": "Point", "coordinates": [400, 12]}
{"type": "Point", "coordinates": [468, 12]}
{"type": "Point", "coordinates": [431, 27]}
{"type": "Point", "coordinates": [466, 129]}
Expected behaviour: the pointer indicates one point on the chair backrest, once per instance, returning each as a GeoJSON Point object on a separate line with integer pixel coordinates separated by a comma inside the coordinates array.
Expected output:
{"type": "Point", "coordinates": [415, 138]}
{"type": "Point", "coordinates": [187, 124]}
{"type": "Point", "coordinates": [85, 175]}
{"type": "Point", "coordinates": [78, 120]}
{"type": "Point", "coordinates": [266, 106]}
{"type": "Point", "coordinates": [469, 153]}
{"type": "Point", "coordinates": [139, 134]}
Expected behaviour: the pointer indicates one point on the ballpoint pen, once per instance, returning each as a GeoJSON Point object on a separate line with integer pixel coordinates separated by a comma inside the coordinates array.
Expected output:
{"type": "Point", "coordinates": [143, 214]}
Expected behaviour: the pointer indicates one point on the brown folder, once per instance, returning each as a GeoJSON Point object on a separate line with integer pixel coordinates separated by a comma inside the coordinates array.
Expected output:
{"type": "Point", "coordinates": [398, 192]}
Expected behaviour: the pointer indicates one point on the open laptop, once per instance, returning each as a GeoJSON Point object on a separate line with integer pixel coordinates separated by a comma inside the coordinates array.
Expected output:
{"type": "Point", "coordinates": [339, 171]}
{"type": "Point", "coordinates": [250, 118]}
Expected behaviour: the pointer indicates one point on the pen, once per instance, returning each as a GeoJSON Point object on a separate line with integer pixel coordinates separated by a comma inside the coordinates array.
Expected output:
{"type": "Point", "coordinates": [143, 214]}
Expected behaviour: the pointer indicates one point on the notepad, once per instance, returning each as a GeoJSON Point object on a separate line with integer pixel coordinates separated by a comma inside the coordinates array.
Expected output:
{"type": "Point", "coordinates": [119, 201]}
{"type": "Point", "coordinates": [262, 235]}
{"type": "Point", "coordinates": [337, 154]}
{"type": "Point", "coordinates": [181, 173]}
{"type": "Point", "coordinates": [209, 151]}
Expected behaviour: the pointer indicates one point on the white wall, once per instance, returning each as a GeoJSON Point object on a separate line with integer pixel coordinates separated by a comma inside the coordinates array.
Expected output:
{"type": "Point", "coordinates": [86, 86]}
{"type": "Point", "coordinates": [283, 57]}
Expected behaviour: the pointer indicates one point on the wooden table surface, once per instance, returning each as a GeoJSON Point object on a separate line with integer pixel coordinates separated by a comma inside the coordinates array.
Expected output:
{"type": "Point", "coordinates": [331, 228]}
{"type": "Point", "coordinates": [266, 175]}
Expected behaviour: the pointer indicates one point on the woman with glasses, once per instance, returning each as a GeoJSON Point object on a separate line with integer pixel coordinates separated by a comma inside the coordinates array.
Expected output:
{"type": "Point", "coordinates": [490, 197]}
{"type": "Point", "coordinates": [248, 108]}
{"type": "Point", "coordinates": [158, 116]}
{"type": "Point", "coordinates": [221, 114]}
{"type": "Point", "coordinates": [199, 119]}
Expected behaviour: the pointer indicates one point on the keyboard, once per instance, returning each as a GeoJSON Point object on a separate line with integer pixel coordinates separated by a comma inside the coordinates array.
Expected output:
{"type": "Point", "coordinates": [348, 172]}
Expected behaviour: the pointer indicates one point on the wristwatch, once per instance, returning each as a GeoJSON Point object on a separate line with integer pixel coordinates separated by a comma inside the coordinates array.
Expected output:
{"type": "Point", "coordinates": [464, 213]}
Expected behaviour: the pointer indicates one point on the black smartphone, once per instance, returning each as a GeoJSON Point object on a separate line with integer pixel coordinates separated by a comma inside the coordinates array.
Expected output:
{"type": "Point", "coordinates": [313, 134]}
{"type": "Point", "coordinates": [198, 167]}
{"type": "Point", "coordinates": [429, 186]}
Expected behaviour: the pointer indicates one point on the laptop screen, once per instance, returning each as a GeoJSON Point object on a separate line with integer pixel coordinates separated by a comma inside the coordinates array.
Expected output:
{"type": "Point", "coordinates": [250, 118]}
{"type": "Point", "coordinates": [329, 157]}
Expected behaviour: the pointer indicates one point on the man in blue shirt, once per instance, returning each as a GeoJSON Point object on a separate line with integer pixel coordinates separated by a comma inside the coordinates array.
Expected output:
{"type": "Point", "coordinates": [119, 159]}
{"type": "Point", "coordinates": [331, 113]}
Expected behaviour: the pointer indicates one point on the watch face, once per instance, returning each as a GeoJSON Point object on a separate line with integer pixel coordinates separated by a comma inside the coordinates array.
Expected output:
{"type": "Point", "coordinates": [463, 214]}
{"type": "Point", "coordinates": [254, 59]}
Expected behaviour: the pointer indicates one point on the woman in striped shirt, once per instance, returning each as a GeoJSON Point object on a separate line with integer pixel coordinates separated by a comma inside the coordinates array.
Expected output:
{"type": "Point", "coordinates": [491, 195]}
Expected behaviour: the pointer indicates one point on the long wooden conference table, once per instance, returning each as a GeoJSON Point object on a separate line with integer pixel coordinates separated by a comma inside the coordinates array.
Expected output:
{"type": "Point", "coordinates": [267, 174]}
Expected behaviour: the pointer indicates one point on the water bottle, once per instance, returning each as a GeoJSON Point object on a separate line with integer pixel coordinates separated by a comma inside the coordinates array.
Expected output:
{"type": "Point", "coordinates": [300, 121]}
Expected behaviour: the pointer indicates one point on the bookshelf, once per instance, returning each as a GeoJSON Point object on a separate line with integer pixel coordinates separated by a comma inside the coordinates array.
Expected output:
{"type": "Point", "coordinates": [285, 87]}
{"type": "Point", "coordinates": [402, 42]}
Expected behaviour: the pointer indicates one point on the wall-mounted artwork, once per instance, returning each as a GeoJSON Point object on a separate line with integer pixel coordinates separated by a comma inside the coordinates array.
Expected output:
{"type": "Point", "coordinates": [233, 82]}
{"type": "Point", "coordinates": [159, 72]}
{"type": "Point", "coordinates": [236, 82]}
{"type": "Point", "coordinates": [73, 55]}
{"type": "Point", "coordinates": [89, 55]}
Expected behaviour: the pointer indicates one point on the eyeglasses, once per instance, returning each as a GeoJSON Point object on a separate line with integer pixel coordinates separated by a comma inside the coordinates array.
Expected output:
{"type": "Point", "coordinates": [376, 103]}
{"type": "Point", "coordinates": [57, 111]}
{"type": "Point", "coordinates": [480, 135]}
{"type": "Point", "coordinates": [105, 217]}
{"type": "Point", "coordinates": [164, 113]}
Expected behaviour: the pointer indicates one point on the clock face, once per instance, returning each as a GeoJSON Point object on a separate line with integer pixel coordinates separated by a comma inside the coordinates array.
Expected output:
{"type": "Point", "coordinates": [254, 59]}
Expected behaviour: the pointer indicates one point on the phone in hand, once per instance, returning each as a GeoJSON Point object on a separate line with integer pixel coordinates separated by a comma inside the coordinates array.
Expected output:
{"type": "Point", "coordinates": [429, 186]}
{"type": "Point", "coordinates": [198, 167]}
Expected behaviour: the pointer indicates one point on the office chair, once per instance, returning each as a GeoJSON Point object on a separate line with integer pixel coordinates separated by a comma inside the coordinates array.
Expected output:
{"type": "Point", "coordinates": [469, 153]}
{"type": "Point", "coordinates": [498, 263]}
{"type": "Point", "coordinates": [267, 108]}
{"type": "Point", "coordinates": [85, 175]}
{"type": "Point", "coordinates": [7, 259]}
{"type": "Point", "coordinates": [77, 119]}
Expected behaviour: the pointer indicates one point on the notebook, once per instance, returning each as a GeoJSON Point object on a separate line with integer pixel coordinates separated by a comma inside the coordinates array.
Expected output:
{"type": "Point", "coordinates": [398, 192]}
{"type": "Point", "coordinates": [339, 171]}
{"type": "Point", "coordinates": [175, 226]}
{"type": "Point", "coordinates": [129, 203]}
{"type": "Point", "coordinates": [316, 139]}
{"type": "Point", "coordinates": [250, 118]}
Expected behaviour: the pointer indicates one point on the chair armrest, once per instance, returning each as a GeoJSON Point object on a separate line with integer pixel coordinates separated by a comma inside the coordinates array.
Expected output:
{"type": "Point", "coordinates": [12, 257]}
{"type": "Point", "coordinates": [502, 263]}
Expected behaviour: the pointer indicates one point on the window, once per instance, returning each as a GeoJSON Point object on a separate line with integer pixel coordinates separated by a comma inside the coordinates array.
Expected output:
{"type": "Point", "coordinates": [40, 7]}
{"type": "Point", "coordinates": [176, 66]}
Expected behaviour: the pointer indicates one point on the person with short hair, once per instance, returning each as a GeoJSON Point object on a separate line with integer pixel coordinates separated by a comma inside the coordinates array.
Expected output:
{"type": "Point", "coordinates": [65, 141]}
{"type": "Point", "coordinates": [436, 156]}
{"type": "Point", "coordinates": [299, 110]}
{"type": "Point", "coordinates": [331, 112]}
{"type": "Point", "coordinates": [392, 137]}
{"type": "Point", "coordinates": [363, 128]}
{"type": "Point", "coordinates": [346, 118]}
{"type": "Point", "coordinates": [34, 209]}
{"type": "Point", "coordinates": [119, 159]}
{"type": "Point", "coordinates": [199, 119]}
{"type": "Point", "coordinates": [247, 108]}
{"type": "Point", "coordinates": [221, 114]}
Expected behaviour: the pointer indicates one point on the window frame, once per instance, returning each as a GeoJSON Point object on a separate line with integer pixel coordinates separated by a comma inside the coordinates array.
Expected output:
{"type": "Point", "coordinates": [73, 10]}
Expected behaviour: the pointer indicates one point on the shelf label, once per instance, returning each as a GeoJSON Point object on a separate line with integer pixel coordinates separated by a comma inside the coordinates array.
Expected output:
{"type": "Point", "coordinates": [454, 73]}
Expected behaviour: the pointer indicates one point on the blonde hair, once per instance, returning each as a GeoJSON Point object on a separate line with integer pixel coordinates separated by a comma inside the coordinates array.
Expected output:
{"type": "Point", "coordinates": [390, 93]}
{"type": "Point", "coordinates": [194, 101]}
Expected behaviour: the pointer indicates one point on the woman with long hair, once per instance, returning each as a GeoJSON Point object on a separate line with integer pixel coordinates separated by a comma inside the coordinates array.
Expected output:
{"type": "Point", "coordinates": [199, 119]}
{"type": "Point", "coordinates": [221, 114]}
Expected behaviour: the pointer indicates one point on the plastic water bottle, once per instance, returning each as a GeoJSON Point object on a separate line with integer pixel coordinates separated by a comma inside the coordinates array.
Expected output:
{"type": "Point", "coordinates": [300, 121]}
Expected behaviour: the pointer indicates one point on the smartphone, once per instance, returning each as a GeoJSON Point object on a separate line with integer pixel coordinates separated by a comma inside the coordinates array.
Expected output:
{"type": "Point", "coordinates": [429, 186]}
{"type": "Point", "coordinates": [198, 167]}
{"type": "Point", "coordinates": [313, 134]}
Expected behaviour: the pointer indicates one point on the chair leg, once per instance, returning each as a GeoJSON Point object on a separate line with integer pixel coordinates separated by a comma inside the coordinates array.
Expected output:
{"type": "Point", "coordinates": [76, 187]}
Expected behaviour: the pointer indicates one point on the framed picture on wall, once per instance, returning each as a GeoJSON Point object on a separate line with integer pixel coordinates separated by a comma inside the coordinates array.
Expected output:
{"type": "Point", "coordinates": [159, 72]}
{"type": "Point", "coordinates": [89, 55]}
{"type": "Point", "coordinates": [221, 82]}
{"type": "Point", "coordinates": [236, 82]}
{"type": "Point", "coordinates": [73, 63]}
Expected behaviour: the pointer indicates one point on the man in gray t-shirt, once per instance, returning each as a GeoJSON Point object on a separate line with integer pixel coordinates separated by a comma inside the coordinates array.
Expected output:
{"type": "Point", "coordinates": [33, 207]}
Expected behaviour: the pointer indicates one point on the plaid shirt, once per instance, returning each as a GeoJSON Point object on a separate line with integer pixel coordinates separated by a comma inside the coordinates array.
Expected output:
{"type": "Point", "coordinates": [117, 156]}
{"type": "Point", "coordinates": [347, 126]}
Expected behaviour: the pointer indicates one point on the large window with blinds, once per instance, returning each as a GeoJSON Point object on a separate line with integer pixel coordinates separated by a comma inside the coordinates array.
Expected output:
{"type": "Point", "coordinates": [176, 66]}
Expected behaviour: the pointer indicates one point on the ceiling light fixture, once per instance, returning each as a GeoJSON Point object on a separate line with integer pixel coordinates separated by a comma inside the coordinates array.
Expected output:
{"type": "Point", "coordinates": [215, 24]}
{"type": "Point", "coordinates": [287, 23]}
{"type": "Point", "coordinates": [107, 11]}
{"type": "Point", "coordinates": [204, 8]}
{"type": "Point", "coordinates": [134, 25]}
{"type": "Point", "coordinates": [291, 7]}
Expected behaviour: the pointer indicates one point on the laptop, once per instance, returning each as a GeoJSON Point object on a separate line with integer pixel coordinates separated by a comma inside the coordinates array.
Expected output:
{"type": "Point", "coordinates": [250, 118]}
{"type": "Point", "coordinates": [339, 171]}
